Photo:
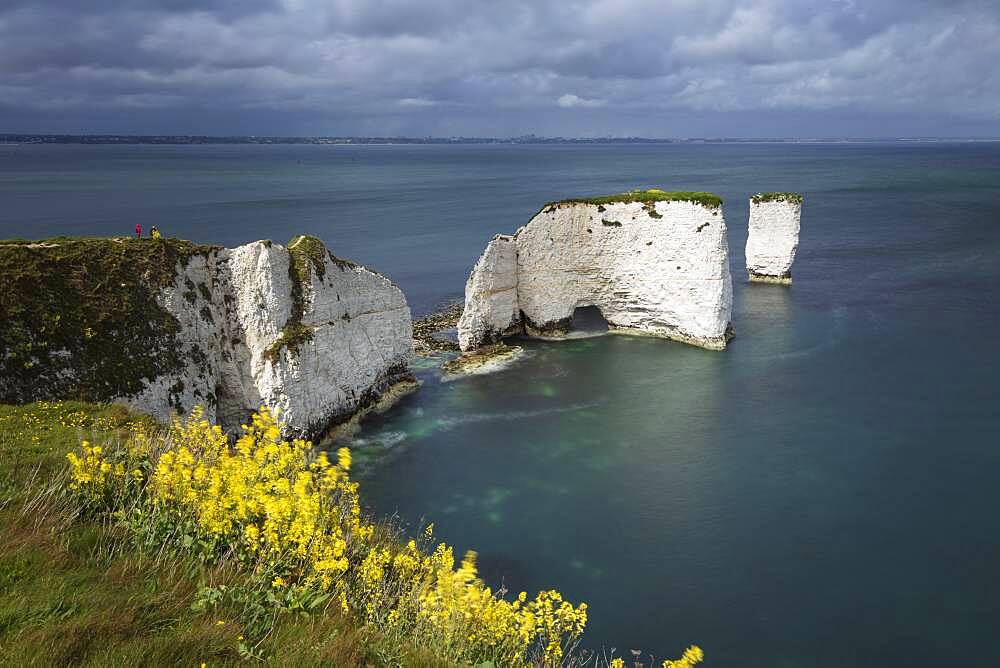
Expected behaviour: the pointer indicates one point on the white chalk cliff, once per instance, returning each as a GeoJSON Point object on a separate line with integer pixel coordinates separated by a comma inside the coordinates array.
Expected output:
{"type": "Point", "coordinates": [654, 263]}
{"type": "Point", "coordinates": [773, 236]}
{"type": "Point", "coordinates": [307, 334]}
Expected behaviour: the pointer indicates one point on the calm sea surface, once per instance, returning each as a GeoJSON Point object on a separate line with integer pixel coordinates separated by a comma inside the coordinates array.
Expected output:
{"type": "Point", "coordinates": [826, 492]}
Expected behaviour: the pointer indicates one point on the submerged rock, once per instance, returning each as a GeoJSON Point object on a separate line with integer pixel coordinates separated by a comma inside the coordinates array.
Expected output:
{"type": "Point", "coordinates": [773, 236]}
{"type": "Point", "coordinates": [295, 329]}
{"type": "Point", "coordinates": [482, 360]}
{"type": "Point", "coordinates": [653, 262]}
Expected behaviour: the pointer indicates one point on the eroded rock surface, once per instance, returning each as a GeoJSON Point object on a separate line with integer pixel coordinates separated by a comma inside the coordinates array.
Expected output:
{"type": "Point", "coordinates": [653, 262]}
{"type": "Point", "coordinates": [493, 287]}
{"type": "Point", "coordinates": [295, 329]}
{"type": "Point", "coordinates": [773, 236]}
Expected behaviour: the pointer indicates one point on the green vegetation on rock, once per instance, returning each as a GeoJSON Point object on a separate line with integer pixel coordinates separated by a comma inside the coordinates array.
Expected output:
{"type": "Point", "coordinates": [710, 200]}
{"type": "Point", "coordinates": [292, 337]}
{"type": "Point", "coordinates": [307, 255]}
{"type": "Point", "coordinates": [795, 198]}
{"type": "Point", "coordinates": [79, 316]}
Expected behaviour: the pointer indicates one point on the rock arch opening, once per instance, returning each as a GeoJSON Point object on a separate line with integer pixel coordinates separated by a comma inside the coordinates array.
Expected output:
{"type": "Point", "coordinates": [587, 320]}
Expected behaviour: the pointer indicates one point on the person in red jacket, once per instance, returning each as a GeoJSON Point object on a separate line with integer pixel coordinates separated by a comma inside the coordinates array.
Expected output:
{"type": "Point", "coordinates": [138, 231]}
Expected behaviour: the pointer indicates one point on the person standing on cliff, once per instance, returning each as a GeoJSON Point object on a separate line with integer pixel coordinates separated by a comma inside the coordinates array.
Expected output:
{"type": "Point", "coordinates": [154, 232]}
{"type": "Point", "coordinates": [138, 231]}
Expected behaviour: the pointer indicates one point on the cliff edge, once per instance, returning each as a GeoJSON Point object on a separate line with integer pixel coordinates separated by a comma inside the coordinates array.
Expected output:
{"type": "Point", "coordinates": [164, 325]}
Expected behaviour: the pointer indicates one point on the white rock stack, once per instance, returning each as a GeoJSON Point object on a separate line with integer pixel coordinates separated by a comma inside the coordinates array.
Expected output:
{"type": "Point", "coordinates": [307, 334]}
{"type": "Point", "coordinates": [493, 283]}
{"type": "Point", "coordinates": [653, 262]}
{"type": "Point", "coordinates": [773, 236]}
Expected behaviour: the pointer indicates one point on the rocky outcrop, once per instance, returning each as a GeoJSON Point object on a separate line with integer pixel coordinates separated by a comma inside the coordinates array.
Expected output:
{"type": "Point", "coordinates": [653, 262]}
{"type": "Point", "coordinates": [295, 329]}
{"type": "Point", "coordinates": [487, 359]}
{"type": "Point", "coordinates": [773, 236]}
{"type": "Point", "coordinates": [437, 332]}
{"type": "Point", "coordinates": [493, 311]}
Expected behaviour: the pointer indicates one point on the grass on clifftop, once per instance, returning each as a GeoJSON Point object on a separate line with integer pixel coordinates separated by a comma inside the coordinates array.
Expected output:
{"type": "Point", "coordinates": [795, 198]}
{"type": "Point", "coordinates": [710, 200]}
{"type": "Point", "coordinates": [79, 317]}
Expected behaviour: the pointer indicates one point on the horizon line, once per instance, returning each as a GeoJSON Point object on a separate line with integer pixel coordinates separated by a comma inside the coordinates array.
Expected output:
{"type": "Point", "coordinates": [41, 137]}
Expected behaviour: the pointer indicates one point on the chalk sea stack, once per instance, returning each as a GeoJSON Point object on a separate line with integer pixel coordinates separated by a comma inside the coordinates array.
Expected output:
{"type": "Point", "coordinates": [773, 236]}
{"type": "Point", "coordinates": [653, 262]}
{"type": "Point", "coordinates": [165, 325]}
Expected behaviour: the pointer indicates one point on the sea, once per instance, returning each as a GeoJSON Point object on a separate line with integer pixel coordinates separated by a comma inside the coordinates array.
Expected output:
{"type": "Point", "coordinates": [825, 492]}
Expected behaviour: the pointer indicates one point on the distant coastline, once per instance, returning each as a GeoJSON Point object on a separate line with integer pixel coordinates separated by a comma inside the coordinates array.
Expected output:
{"type": "Point", "coordinates": [524, 139]}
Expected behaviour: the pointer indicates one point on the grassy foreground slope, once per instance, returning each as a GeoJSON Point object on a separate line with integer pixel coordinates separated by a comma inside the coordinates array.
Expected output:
{"type": "Point", "coordinates": [73, 591]}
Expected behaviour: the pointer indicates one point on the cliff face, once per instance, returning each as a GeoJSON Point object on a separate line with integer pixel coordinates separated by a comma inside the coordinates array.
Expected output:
{"type": "Point", "coordinates": [773, 236]}
{"type": "Point", "coordinates": [654, 263]}
{"type": "Point", "coordinates": [294, 329]}
{"type": "Point", "coordinates": [494, 310]}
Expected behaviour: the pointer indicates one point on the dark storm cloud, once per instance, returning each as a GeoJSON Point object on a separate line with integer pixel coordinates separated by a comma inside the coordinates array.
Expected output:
{"type": "Point", "coordinates": [485, 67]}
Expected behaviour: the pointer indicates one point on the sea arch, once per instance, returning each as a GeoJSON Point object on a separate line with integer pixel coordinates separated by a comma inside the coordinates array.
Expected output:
{"type": "Point", "coordinates": [654, 262]}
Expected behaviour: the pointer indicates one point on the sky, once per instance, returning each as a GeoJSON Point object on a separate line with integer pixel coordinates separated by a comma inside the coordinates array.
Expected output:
{"type": "Point", "coordinates": [499, 68]}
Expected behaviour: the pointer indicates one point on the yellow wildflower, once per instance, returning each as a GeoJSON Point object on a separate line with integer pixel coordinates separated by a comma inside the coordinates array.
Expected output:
{"type": "Point", "coordinates": [281, 509]}
{"type": "Point", "coordinates": [344, 459]}
{"type": "Point", "coordinates": [693, 655]}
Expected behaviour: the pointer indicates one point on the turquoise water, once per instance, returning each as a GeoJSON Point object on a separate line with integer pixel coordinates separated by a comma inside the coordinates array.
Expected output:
{"type": "Point", "coordinates": [823, 493]}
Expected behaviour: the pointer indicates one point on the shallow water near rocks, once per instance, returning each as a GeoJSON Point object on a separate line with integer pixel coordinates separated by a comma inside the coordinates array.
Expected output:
{"type": "Point", "coordinates": [822, 493]}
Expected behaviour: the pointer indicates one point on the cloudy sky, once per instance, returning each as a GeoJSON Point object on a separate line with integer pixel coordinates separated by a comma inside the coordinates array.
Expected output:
{"type": "Point", "coordinates": [656, 68]}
